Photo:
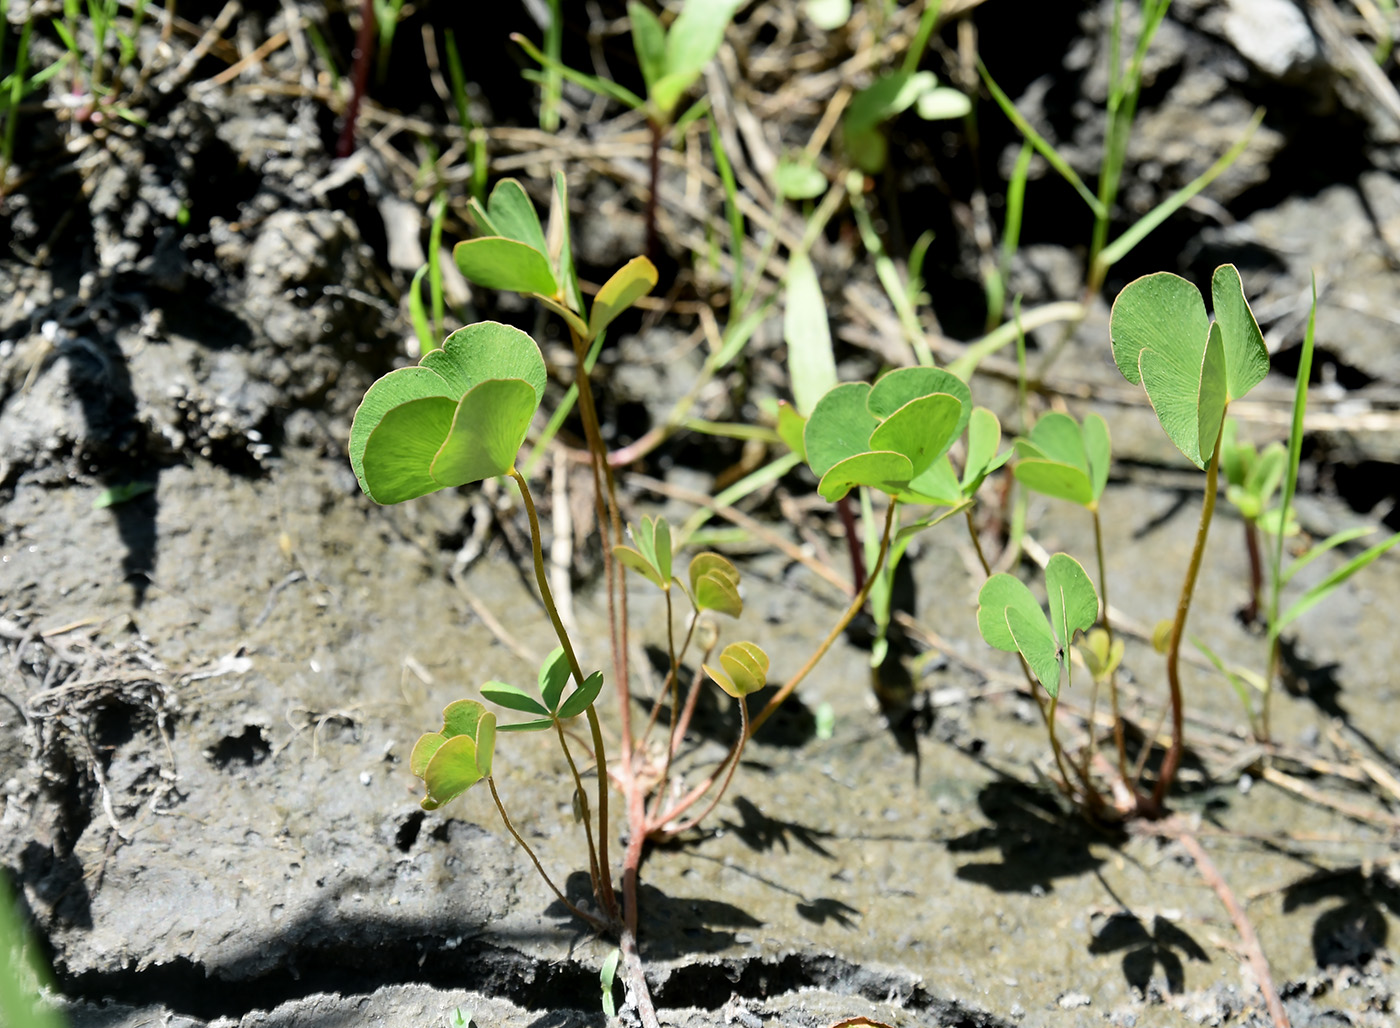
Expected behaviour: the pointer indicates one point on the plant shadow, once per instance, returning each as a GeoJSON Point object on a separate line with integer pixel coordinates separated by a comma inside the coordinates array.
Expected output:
{"type": "Point", "coordinates": [1354, 930]}
{"type": "Point", "coordinates": [1145, 949]}
{"type": "Point", "coordinates": [1039, 842]}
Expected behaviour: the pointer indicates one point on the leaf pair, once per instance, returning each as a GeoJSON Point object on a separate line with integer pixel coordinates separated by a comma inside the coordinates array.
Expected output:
{"type": "Point", "coordinates": [714, 581]}
{"type": "Point", "coordinates": [553, 676]}
{"type": "Point", "coordinates": [887, 97]}
{"type": "Point", "coordinates": [1010, 619]}
{"type": "Point", "coordinates": [1191, 368]}
{"type": "Point", "coordinates": [887, 436]}
{"type": "Point", "coordinates": [514, 256]}
{"type": "Point", "coordinates": [458, 417]}
{"type": "Point", "coordinates": [1064, 459]}
{"type": "Point", "coordinates": [743, 669]}
{"type": "Point", "coordinates": [672, 61]}
{"type": "Point", "coordinates": [453, 760]}
{"type": "Point", "coordinates": [650, 557]}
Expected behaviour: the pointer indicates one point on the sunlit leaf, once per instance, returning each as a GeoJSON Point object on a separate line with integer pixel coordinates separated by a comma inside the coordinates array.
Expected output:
{"type": "Point", "coordinates": [628, 284]}
{"type": "Point", "coordinates": [744, 669]}
{"type": "Point", "coordinates": [839, 426]}
{"type": "Point", "coordinates": [881, 469]}
{"type": "Point", "coordinates": [810, 359]}
{"type": "Point", "coordinates": [580, 699]}
{"type": "Point", "coordinates": [452, 771]}
{"type": "Point", "coordinates": [554, 674]}
{"type": "Point", "coordinates": [512, 697]}
{"type": "Point", "coordinates": [496, 262]}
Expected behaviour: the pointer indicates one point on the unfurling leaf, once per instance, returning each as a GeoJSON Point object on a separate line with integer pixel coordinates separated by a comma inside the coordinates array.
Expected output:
{"type": "Point", "coordinates": [714, 584]}
{"type": "Point", "coordinates": [744, 669]}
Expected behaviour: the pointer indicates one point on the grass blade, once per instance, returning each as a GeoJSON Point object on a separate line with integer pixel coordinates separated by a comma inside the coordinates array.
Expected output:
{"type": "Point", "coordinates": [1323, 589]}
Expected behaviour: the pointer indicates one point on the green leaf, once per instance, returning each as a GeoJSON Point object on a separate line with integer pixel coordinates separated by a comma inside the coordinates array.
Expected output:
{"type": "Point", "coordinates": [490, 425]}
{"type": "Point", "coordinates": [512, 215]}
{"type": "Point", "coordinates": [638, 562]}
{"type": "Point", "coordinates": [452, 771]}
{"type": "Point", "coordinates": [886, 97]}
{"type": "Point", "coordinates": [810, 359]}
{"type": "Point", "coordinates": [418, 314]}
{"type": "Point", "coordinates": [1051, 478]}
{"type": "Point", "coordinates": [1035, 642]}
{"type": "Point", "coordinates": [943, 103]}
{"type": "Point", "coordinates": [938, 485]}
{"type": "Point", "coordinates": [828, 15]}
{"type": "Point", "coordinates": [398, 454]}
{"type": "Point", "coordinates": [414, 422]}
{"type": "Point", "coordinates": [583, 697]}
{"type": "Point", "coordinates": [1059, 438]}
{"type": "Point", "coordinates": [496, 262]}
{"type": "Point", "coordinates": [745, 669]}
{"type": "Point", "coordinates": [423, 751]}
{"type": "Point", "coordinates": [1213, 396]}
{"type": "Point", "coordinates": [538, 725]}
{"type": "Point", "coordinates": [1246, 356]}
{"type": "Point", "coordinates": [561, 253]}
{"type": "Point", "coordinates": [694, 38]}
{"type": "Point", "coordinates": [1346, 535]}
{"type": "Point", "coordinates": [1099, 449]}
{"type": "Point", "coordinates": [485, 743]}
{"type": "Point", "coordinates": [798, 178]}
{"type": "Point", "coordinates": [116, 494]}
{"type": "Point", "coordinates": [997, 594]}
{"type": "Point", "coordinates": [983, 438]}
{"type": "Point", "coordinates": [649, 40]}
{"type": "Point", "coordinates": [1162, 312]}
{"type": "Point", "coordinates": [883, 469]}
{"type": "Point", "coordinates": [660, 545]}
{"type": "Point", "coordinates": [791, 426]}
{"type": "Point", "coordinates": [462, 718]}
{"type": "Point", "coordinates": [839, 426]}
{"type": "Point", "coordinates": [1074, 605]}
{"type": "Point", "coordinates": [897, 388]}
{"type": "Point", "coordinates": [632, 281]}
{"type": "Point", "coordinates": [921, 430]}
{"type": "Point", "coordinates": [512, 697]}
{"type": "Point", "coordinates": [1323, 589]}
{"type": "Point", "coordinates": [554, 675]}
{"type": "Point", "coordinates": [714, 584]}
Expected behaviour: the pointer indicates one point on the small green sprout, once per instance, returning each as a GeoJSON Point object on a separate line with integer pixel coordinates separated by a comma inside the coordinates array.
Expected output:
{"type": "Point", "coordinates": [453, 760]}
{"type": "Point", "coordinates": [554, 675]}
{"type": "Point", "coordinates": [606, 974]}
{"type": "Point", "coordinates": [1064, 459]}
{"type": "Point", "coordinates": [884, 99]}
{"type": "Point", "coordinates": [1011, 619]}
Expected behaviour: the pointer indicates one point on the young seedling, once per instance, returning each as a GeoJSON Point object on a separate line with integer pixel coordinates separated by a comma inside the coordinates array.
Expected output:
{"type": "Point", "coordinates": [1067, 460]}
{"type": "Point", "coordinates": [671, 62]}
{"type": "Point", "coordinates": [1251, 479]}
{"type": "Point", "coordinates": [893, 93]}
{"type": "Point", "coordinates": [1011, 619]}
{"type": "Point", "coordinates": [1192, 369]}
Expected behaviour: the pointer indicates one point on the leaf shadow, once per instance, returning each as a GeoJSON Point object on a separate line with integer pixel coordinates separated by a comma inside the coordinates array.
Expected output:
{"type": "Point", "coordinates": [1144, 949]}
{"type": "Point", "coordinates": [1038, 841]}
{"type": "Point", "coordinates": [1353, 930]}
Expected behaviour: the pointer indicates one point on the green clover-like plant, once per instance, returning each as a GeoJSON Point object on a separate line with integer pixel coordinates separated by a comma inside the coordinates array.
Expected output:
{"type": "Point", "coordinates": [1064, 459]}
{"type": "Point", "coordinates": [743, 669]}
{"type": "Point", "coordinates": [1191, 368]}
{"type": "Point", "coordinates": [1010, 618]}
{"type": "Point", "coordinates": [453, 760]}
{"type": "Point", "coordinates": [884, 99]}
{"type": "Point", "coordinates": [458, 417]}
{"type": "Point", "coordinates": [551, 707]}
{"type": "Point", "coordinates": [888, 436]}
{"type": "Point", "coordinates": [714, 585]}
{"type": "Point", "coordinates": [514, 256]}
{"type": "Point", "coordinates": [650, 557]}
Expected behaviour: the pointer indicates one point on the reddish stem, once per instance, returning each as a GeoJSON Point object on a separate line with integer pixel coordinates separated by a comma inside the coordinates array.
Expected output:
{"type": "Point", "coordinates": [364, 55]}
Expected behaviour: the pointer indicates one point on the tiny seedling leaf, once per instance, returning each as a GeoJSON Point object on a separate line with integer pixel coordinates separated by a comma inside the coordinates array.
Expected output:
{"type": "Point", "coordinates": [983, 438]}
{"type": "Point", "coordinates": [628, 284]}
{"type": "Point", "coordinates": [713, 591]}
{"type": "Point", "coordinates": [496, 262]}
{"type": "Point", "coordinates": [538, 725]}
{"type": "Point", "coordinates": [554, 674]}
{"type": "Point", "coordinates": [116, 494]}
{"type": "Point", "coordinates": [423, 751]}
{"type": "Point", "coordinates": [580, 699]}
{"type": "Point", "coordinates": [811, 361]}
{"type": "Point", "coordinates": [798, 178]}
{"type": "Point", "coordinates": [638, 562]}
{"type": "Point", "coordinates": [649, 40]}
{"type": "Point", "coordinates": [744, 669]}
{"type": "Point", "coordinates": [791, 425]}
{"type": "Point", "coordinates": [694, 38]}
{"type": "Point", "coordinates": [452, 771]}
{"type": "Point", "coordinates": [512, 697]}
{"type": "Point", "coordinates": [1054, 479]}
{"type": "Point", "coordinates": [942, 103]}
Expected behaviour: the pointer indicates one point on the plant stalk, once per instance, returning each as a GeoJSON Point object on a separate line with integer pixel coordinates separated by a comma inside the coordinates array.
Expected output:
{"type": "Point", "coordinates": [1172, 760]}
{"type": "Point", "coordinates": [856, 604]}
{"type": "Point", "coordinates": [1118, 740]}
{"type": "Point", "coordinates": [606, 897]}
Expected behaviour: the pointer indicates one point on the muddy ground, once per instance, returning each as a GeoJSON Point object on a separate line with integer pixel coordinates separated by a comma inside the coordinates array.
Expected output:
{"type": "Point", "coordinates": [210, 690]}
